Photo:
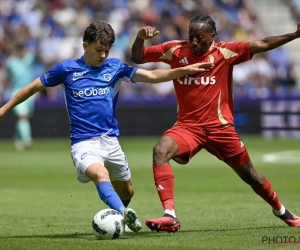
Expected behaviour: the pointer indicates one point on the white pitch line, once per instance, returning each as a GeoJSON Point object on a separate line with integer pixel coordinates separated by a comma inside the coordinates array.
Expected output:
{"type": "Point", "coordinates": [291, 156]}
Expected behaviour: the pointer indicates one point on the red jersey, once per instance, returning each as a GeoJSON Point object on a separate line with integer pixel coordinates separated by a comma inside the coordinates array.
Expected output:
{"type": "Point", "coordinates": [206, 98]}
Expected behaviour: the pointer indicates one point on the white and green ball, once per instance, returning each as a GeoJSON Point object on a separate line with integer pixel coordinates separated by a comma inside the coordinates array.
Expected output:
{"type": "Point", "coordinates": [108, 224]}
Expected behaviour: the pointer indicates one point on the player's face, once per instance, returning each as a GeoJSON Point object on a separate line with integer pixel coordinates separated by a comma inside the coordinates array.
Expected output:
{"type": "Point", "coordinates": [200, 37]}
{"type": "Point", "coordinates": [95, 53]}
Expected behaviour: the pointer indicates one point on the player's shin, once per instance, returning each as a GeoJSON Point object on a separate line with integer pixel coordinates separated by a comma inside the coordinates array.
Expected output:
{"type": "Point", "coordinates": [109, 196]}
{"type": "Point", "coordinates": [268, 194]}
{"type": "Point", "coordinates": [164, 182]}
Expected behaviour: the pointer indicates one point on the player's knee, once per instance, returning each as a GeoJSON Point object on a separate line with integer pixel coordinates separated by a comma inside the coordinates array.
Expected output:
{"type": "Point", "coordinates": [159, 153]}
{"type": "Point", "coordinates": [100, 176]}
{"type": "Point", "coordinates": [159, 150]}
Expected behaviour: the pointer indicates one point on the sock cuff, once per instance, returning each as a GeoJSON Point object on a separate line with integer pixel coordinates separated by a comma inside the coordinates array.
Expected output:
{"type": "Point", "coordinates": [162, 168]}
{"type": "Point", "coordinates": [104, 188]}
{"type": "Point", "coordinates": [104, 184]}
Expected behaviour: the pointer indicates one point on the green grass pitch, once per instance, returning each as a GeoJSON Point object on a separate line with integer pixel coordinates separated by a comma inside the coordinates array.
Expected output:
{"type": "Point", "coordinates": [43, 206]}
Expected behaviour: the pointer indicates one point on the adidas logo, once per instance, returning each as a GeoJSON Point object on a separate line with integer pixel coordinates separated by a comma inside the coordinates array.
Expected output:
{"type": "Point", "coordinates": [160, 187]}
{"type": "Point", "coordinates": [184, 61]}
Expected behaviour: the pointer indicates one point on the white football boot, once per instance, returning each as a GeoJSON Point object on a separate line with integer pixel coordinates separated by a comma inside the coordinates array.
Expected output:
{"type": "Point", "coordinates": [131, 220]}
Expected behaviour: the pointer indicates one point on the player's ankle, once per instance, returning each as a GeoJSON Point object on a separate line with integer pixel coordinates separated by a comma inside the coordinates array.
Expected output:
{"type": "Point", "coordinates": [170, 212]}
{"type": "Point", "coordinates": [281, 211]}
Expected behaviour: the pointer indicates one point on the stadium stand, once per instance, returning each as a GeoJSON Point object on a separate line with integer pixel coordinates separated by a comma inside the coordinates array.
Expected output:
{"type": "Point", "coordinates": [52, 29]}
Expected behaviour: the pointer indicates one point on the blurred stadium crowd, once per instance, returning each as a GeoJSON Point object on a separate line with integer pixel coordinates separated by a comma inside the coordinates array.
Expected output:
{"type": "Point", "coordinates": [53, 29]}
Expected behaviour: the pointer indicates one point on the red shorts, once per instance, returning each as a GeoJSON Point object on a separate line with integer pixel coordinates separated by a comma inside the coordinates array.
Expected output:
{"type": "Point", "coordinates": [224, 143]}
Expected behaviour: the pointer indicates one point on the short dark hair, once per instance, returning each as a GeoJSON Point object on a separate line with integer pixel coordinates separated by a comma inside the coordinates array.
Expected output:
{"type": "Point", "coordinates": [206, 20]}
{"type": "Point", "coordinates": [99, 32]}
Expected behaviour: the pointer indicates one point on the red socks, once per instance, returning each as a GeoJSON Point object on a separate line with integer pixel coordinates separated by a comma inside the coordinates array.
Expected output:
{"type": "Point", "coordinates": [164, 182]}
{"type": "Point", "coordinates": [268, 194]}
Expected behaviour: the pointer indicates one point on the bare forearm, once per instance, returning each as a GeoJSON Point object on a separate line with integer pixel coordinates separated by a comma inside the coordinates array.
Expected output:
{"type": "Point", "coordinates": [271, 42]}
{"type": "Point", "coordinates": [137, 51]}
{"type": "Point", "coordinates": [23, 95]}
{"type": "Point", "coordinates": [276, 41]}
{"type": "Point", "coordinates": [20, 97]}
{"type": "Point", "coordinates": [164, 75]}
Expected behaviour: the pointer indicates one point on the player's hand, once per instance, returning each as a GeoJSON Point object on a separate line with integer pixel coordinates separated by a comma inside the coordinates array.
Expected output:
{"type": "Point", "coordinates": [198, 67]}
{"type": "Point", "coordinates": [298, 30]}
{"type": "Point", "coordinates": [147, 32]}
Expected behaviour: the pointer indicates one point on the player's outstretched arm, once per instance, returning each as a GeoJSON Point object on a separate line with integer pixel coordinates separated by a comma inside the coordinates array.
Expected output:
{"type": "Point", "coordinates": [137, 49]}
{"type": "Point", "coordinates": [163, 75]}
{"type": "Point", "coordinates": [273, 42]}
{"type": "Point", "coordinates": [21, 96]}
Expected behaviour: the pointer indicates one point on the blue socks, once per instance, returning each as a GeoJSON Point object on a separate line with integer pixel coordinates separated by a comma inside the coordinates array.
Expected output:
{"type": "Point", "coordinates": [109, 196]}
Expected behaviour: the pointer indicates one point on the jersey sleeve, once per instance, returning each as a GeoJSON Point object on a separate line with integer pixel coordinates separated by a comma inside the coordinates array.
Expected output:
{"type": "Point", "coordinates": [236, 52]}
{"type": "Point", "coordinates": [54, 76]}
{"type": "Point", "coordinates": [162, 52]}
{"type": "Point", "coordinates": [126, 71]}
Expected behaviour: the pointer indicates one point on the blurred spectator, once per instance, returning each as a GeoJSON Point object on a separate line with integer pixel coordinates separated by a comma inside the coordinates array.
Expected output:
{"type": "Point", "coordinates": [283, 79]}
{"type": "Point", "coordinates": [52, 29]}
{"type": "Point", "coordinates": [20, 73]}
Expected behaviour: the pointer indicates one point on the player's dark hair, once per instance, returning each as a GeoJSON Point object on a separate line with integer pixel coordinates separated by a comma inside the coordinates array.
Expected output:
{"type": "Point", "coordinates": [206, 20]}
{"type": "Point", "coordinates": [99, 32]}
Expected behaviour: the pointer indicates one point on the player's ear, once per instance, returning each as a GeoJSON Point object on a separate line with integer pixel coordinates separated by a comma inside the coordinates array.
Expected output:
{"type": "Point", "coordinates": [212, 36]}
{"type": "Point", "coordinates": [85, 46]}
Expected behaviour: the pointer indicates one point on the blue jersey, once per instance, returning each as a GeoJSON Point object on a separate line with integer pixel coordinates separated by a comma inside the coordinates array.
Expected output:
{"type": "Point", "coordinates": [91, 95]}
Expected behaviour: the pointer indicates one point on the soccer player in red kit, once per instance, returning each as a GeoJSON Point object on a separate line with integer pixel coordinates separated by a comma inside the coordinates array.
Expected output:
{"type": "Point", "coordinates": [205, 112]}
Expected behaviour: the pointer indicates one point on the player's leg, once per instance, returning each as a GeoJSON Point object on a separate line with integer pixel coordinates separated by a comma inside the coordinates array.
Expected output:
{"type": "Point", "coordinates": [90, 167]}
{"type": "Point", "coordinates": [262, 187]}
{"type": "Point", "coordinates": [120, 175]}
{"type": "Point", "coordinates": [180, 145]}
{"type": "Point", "coordinates": [124, 190]}
{"type": "Point", "coordinates": [235, 155]}
{"type": "Point", "coordinates": [99, 175]}
{"type": "Point", "coordinates": [228, 147]}
{"type": "Point", "coordinates": [165, 149]}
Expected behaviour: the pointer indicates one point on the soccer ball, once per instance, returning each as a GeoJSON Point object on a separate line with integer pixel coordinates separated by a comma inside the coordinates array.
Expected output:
{"type": "Point", "coordinates": [108, 224]}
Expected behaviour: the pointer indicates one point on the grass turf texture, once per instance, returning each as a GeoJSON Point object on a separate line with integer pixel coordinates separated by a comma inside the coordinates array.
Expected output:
{"type": "Point", "coordinates": [43, 206]}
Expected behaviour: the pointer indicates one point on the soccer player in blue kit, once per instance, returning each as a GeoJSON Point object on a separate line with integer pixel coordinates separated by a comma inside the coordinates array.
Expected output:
{"type": "Point", "coordinates": [91, 85]}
